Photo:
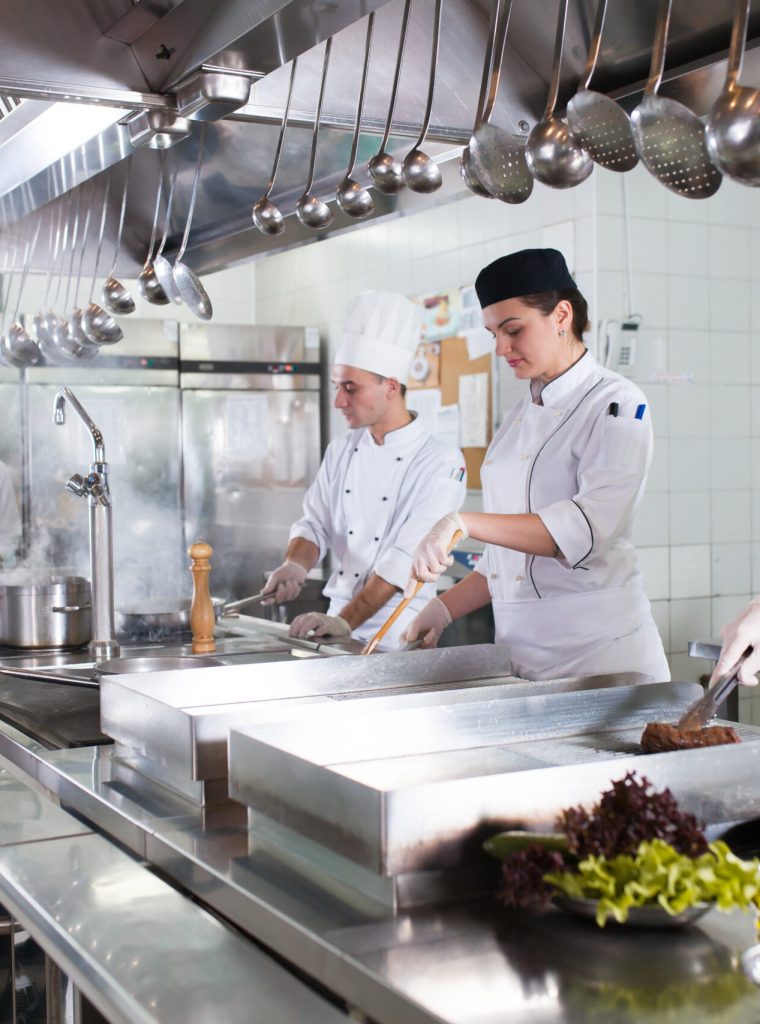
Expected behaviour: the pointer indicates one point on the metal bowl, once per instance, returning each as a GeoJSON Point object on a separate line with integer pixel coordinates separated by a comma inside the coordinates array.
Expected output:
{"type": "Point", "coordinates": [653, 916]}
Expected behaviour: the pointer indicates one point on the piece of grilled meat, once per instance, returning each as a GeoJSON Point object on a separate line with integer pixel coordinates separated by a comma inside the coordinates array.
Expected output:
{"type": "Point", "coordinates": [659, 737]}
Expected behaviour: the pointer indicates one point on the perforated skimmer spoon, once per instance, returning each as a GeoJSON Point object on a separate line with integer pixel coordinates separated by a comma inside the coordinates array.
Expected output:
{"type": "Point", "coordinates": [352, 197]}
{"type": "Point", "coordinates": [670, 138]}
{"type": "Point", "coordinates": [497, 156]}
{"type": "Point", "coordinates": [310, 209]}
{"type": "Point", "coordinates": [553, 155]}
{"type": "Point", "coordinates": [467, 172]}
{"type": "Point", "coordinates": [266, 216]}
{"type": "Point", "coordinates": [733, 125]}
{"type": "Point", "coordinates": [385, 170]}
{"type": "Point", "coordinates": [187, 282]}
{"type": "Point", "coordinates": [598, 124]}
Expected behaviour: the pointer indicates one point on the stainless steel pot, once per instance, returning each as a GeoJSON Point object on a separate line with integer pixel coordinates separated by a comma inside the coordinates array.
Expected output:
{"type": "Point", "coordinates": [55, 612]}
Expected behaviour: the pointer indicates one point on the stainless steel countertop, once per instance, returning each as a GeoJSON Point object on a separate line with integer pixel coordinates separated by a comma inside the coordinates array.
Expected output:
{"type": "Point", "coordinates": [470, 964]}
{"type": "Point", "coordinates": [141, 951]}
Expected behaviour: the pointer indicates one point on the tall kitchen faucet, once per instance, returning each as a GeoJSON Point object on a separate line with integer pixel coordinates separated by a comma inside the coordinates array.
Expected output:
{"type": "Point", "coordinates": [94, 487]}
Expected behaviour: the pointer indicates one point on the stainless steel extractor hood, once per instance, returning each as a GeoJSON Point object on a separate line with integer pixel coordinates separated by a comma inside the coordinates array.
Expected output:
{"type": "Point", "coordinates": [102, 82]}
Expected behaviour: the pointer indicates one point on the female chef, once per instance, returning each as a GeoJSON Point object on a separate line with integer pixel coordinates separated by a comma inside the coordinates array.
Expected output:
{"type": "Point", "coordinates": [562, 480]}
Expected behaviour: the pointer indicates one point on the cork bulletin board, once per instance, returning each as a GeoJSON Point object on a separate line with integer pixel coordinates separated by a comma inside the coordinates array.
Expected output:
{"type": "Point", "coordinates": [466, 383]}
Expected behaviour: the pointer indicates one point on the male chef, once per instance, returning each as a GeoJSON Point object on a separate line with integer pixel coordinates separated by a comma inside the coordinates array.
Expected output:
{"type": "Point", "coordinates": [380, 487]}
{"type": "Point", "coordinates": [10, 521]}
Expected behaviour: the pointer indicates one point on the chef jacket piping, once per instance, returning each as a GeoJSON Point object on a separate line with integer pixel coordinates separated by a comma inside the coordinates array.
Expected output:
{"type": "Point", "coordinates": [590, 530]}
{"type": "Point", "coordinates": [556, 430]}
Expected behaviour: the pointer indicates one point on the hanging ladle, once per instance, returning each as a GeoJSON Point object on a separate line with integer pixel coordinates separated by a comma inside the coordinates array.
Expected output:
{"type": "Point", "coordinates": [61, 333]}
{"type": "Point", "coordinates": [353, 198]}
{"type": "Point", "coordinates": [670, 138]}
{"type": "Point", "coordinates": [421, 173]}
{"type": "Point", "coordinates": [98, 324]}
{"type": "Point", "coordinates": [147, 281]}
{"type": "Point", "coordinates": [598, 124]}
{"type": "Point", "coordinates": [553, 155]}
{"type": "Point", "coordinates": [733, 125]}
{"type": "Point", "coordinates": [311, 211]}
{"type": "Point", "coordinates": [76, 344]}
{"type": "Point", "coordinates": [266, 216]}
{"type": "Point", "coordinates": [115, 296]}
{"type": "Point", "coordinates": [186, 281]}
{"type": "Point", "coordinates": [49, 321]}
{"type": "Point", "coordinates": [19, 349]}
{"type": "Point", "coordinates": [162, 267]}
{"type": "Point", "coordinates": [386, 171]}
{"type": "Point", "coordinates": [40, 320]}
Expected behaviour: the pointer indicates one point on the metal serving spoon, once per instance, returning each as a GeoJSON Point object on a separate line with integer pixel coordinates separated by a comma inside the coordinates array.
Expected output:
{"type": "Point", "coordinates": [598, 124]}
{"type": "Point", "coordinates": [266, 216]}
{"type": "Point", "coordinates": [353, 198]}
{"type": "Point", "coordinates": [733, 125]}
{"type": "Point", "coordinates": [311, 211]}
{"type": "Point", "coordinates": [553, 155]}
{"type": "Point", "coordinates": [115, 296]}
{"type": "Point", "coordinates": [421, 173]}
{"type": "Point", "coordinates": [186, 281]}
{"type": "Point", "coordinates": [385, 170]}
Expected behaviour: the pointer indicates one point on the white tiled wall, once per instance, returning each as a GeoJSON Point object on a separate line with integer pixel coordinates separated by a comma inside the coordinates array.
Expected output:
{"type": "Point", "coordinates": [695, 274]}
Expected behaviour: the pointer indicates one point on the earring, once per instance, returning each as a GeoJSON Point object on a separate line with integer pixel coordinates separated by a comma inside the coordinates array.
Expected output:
{"type": "Point", "coordinates": [562, 334]}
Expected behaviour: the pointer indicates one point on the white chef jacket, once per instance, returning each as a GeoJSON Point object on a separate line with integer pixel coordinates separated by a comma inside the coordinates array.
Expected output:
{"type": "Point", "coordinates": [10, 520]}
{"type": "Point", "coordinates": [583, 471]}
{"type": "Point", "coordinates": [372, 504]}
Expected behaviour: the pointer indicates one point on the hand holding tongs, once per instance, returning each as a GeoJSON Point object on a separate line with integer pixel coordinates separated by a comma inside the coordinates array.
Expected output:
{"type": "Point", "coordinates": [702, 710]}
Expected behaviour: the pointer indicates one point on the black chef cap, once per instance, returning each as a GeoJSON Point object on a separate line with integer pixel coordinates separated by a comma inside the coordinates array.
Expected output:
{"type": "Point", "coordinates": [522, 273]}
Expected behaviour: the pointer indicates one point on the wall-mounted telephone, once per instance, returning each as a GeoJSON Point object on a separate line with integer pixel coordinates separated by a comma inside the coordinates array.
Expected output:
{"type": "Point", "coordinates": [633, 350]}
{"type": "Point", "coordinates": [621, 338]}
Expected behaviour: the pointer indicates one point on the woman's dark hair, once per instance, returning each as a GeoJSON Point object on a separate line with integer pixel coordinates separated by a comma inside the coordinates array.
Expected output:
{"type": "Point", "coordinates": [546, 302]}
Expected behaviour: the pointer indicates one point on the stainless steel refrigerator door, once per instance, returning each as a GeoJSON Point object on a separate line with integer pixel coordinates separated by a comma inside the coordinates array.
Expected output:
{"type": "Point", "coordinates": [141, 428]}
{"type": "Point", "coordinates": [248, 458]}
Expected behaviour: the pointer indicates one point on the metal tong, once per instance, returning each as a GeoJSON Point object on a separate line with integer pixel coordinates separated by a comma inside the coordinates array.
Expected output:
{"type": "Point", "coordinates": [701, 711]}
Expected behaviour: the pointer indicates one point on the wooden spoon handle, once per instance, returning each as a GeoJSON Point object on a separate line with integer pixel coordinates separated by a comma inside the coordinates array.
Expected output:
{"type": "Point", "coordinates": [402, 605]}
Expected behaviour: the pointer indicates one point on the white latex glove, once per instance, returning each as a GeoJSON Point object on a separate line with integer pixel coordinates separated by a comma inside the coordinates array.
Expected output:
{"type": "Point", "coordinates": [428, 624]}
{"type": "Point", "coordinates": [285, 583]}
{"type": "Point", "coordinates": [737, 636]}
{"type": "Point", "coordinates": [319, 625]}
{"type": "Point", "coordinates": [432, 555]}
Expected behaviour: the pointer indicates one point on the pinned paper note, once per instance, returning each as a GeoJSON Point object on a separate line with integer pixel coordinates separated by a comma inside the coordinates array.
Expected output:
{"type": "Point", "coordinates": [473, 410]}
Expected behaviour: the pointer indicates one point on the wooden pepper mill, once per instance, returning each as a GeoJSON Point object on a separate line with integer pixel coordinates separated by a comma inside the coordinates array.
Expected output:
{"type": "Point", "coordinates": [201, 610]}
